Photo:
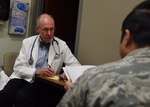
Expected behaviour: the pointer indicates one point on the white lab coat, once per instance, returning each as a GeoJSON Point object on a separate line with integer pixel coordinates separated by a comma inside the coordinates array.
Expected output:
{"type": "Point", "coordinates": [23, 70]}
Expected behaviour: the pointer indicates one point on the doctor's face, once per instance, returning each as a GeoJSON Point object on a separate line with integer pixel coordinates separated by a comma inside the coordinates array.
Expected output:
{"type": "Point", "coordinates": [46, 28]}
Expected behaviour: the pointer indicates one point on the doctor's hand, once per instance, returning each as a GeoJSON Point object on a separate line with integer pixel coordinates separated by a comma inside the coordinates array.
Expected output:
{"type": "Point", "coordinates": [47, 72]}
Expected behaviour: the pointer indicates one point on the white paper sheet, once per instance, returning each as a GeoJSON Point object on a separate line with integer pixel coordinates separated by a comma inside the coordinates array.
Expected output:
{"type": "Point", "coordinates": [3, 79]}
{"type": "Point", "coordinates": [74, 72]}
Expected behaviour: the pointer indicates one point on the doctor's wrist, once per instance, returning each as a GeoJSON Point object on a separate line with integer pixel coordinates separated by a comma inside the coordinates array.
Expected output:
{"type": "Point", "coordinates": [37, 72]}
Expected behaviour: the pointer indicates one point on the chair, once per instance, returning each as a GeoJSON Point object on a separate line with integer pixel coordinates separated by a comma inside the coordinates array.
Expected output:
{"type": "Point", "coordinates": [8, 62]}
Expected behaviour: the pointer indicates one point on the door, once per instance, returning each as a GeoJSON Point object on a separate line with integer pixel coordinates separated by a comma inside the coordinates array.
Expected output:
{"type": "Point", "coordinates": [65, 13]}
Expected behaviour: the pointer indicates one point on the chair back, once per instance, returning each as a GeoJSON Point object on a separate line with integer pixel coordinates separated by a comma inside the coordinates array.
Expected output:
{"type": "Point", "coordinates": [8, 62]}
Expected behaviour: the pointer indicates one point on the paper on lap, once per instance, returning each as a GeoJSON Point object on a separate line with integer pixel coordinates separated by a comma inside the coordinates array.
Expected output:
{"type": "Point", "coordinates": [74, 72]}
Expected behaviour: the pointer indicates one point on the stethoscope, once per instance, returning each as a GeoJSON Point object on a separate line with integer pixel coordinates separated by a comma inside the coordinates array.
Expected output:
{"type": "Point", "coordinates": [54, 41]}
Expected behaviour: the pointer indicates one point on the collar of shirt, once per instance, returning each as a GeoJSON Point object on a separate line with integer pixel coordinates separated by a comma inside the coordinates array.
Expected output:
{"type": "Point", "coordinates": [43, 44]}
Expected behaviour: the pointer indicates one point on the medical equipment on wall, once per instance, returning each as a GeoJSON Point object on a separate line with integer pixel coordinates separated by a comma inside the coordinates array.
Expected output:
{"type": "Point", "coordinates": [54, 43]}
{"type": "Point", "coordinates": [18, 18]}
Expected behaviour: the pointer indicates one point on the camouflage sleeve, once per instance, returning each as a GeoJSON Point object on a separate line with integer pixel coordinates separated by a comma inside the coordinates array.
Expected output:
{"type": "Point", "coordinates": [75, 96]}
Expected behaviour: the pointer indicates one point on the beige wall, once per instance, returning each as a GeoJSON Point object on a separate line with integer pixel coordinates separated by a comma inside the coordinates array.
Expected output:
{"type": "Point", "coordinates": [100, 29]}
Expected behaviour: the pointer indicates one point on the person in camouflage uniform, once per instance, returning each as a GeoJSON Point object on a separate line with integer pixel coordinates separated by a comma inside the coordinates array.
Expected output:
{"type": "Point", "coordinates": [126, 82]}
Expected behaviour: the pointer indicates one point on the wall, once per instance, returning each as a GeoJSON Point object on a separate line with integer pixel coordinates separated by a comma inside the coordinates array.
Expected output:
{"type": "Point", "coordinates": [100, 29]}
{"type": "Point", "coordinates": [10, 42]}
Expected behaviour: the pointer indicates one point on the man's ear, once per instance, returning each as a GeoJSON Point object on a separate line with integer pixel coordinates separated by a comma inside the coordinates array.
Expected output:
{"type": "Point", "coordinates": [127, 39]}
{"type": "Point", "coordinates": [128, 42]}
{"type": "Point", "coordinates": [37, 29]}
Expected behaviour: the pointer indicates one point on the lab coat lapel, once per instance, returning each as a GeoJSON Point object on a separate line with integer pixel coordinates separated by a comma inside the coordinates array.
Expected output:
{"type": "Point", "coordinates": [51, 54]}
{"type": "Point", "coordinates": [35, 52]}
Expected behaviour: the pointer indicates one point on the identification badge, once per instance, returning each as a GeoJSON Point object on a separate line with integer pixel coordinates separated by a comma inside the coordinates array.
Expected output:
{"type": "Point", "coordinates": [56, 56]}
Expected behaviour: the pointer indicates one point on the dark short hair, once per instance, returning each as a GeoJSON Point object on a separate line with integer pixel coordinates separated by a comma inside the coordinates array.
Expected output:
{"type": "Point", "coordinates": [138, 23]}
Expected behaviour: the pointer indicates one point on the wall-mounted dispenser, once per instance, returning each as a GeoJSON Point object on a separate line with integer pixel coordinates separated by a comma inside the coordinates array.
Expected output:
{"type": "Point", "coordinates": [18, 18]}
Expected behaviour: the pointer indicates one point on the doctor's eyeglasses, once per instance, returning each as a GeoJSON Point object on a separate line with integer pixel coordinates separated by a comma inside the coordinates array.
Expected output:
{"type": "Point", "coordinates": [46, 30]}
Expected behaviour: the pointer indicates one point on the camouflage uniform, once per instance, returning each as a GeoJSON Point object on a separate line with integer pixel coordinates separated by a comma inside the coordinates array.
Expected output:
{"type": "Point", "coordinates": [124, 83]}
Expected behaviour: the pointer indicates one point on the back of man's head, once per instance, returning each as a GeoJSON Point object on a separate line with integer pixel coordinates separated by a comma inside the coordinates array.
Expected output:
{"type": "Point", "coordinates": [143, 5]}
{"type": "Point", "coordinates": [138, 23]}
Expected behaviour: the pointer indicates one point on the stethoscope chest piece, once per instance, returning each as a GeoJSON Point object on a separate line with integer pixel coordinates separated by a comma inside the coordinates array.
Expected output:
{"type": "Point", "coordinates": [30, 61]}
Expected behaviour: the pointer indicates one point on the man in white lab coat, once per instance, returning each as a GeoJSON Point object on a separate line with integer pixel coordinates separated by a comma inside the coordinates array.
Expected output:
{"type": "Point", "coordinates": [42, 55]}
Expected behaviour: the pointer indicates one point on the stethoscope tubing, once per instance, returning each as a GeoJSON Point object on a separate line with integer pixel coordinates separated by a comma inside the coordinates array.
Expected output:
{"type": "Point", "coordinates": [30, 61]}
